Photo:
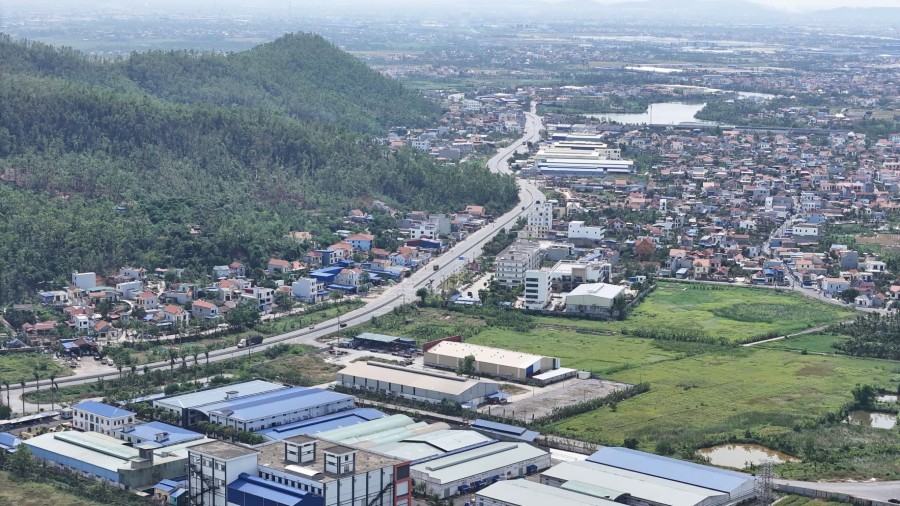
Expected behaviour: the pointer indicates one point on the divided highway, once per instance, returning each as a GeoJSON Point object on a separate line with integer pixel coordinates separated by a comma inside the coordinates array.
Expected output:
{"type": "Point", "coordinates": [397, 295]}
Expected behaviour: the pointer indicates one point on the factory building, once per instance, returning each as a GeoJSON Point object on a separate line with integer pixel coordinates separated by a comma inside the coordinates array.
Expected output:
{"type": "Point", "coordinates": [156, 434]}
{"type": "Point", "coordinates": [465, 471]}
{"type": "Point", "coordinates": [278, 407]}
{"type": "Point", "coordinates": [99, 417]}
{"type": "Point", "coordinates": [593, 299]}
{"type": "Point", "coordinates": [298, 469]}
{"type": "Point", "coordinates": [192, 408]}
{"type": "Point", "coordinates": [738, 486]}
{"type": "Point", "coordinates": [109, 459]}
{"type": "Point", "coordinates": [489, 361]}
{"type": "Point", "coordinates": [315, 426]}
{"type": "Point", "coordinates": [529, 493]}
{"type": "Point", "coordinates": [414, 384]}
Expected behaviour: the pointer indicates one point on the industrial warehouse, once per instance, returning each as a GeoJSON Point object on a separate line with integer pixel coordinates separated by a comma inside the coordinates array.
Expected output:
{"type": "Point", "coordinates": [448, 354]}
{"type": "Point", "coordinates": [415, 384]}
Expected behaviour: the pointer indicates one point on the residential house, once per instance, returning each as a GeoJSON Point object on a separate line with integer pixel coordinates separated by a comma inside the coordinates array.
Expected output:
{"type": "Point", "coordinates": [175, 315]}
{"type": "Point", "coordinates": [146, 301]}
{"type": "Point", "coordinates": [204, 309]}
{"type": "Point", "coordinates": [361, 242]}
{"type": "Point", "coordinates": [277, 266]}
{"type": "Point", "coordinates": [349, 277]}
{"type": "Point", "coordinates": [221, 272]}
{"type": "Point", "coordinates": [237, 270]}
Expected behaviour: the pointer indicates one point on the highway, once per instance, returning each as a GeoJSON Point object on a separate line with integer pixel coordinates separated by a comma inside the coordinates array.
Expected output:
{"type": "Point", "coordinates": [397, 295]}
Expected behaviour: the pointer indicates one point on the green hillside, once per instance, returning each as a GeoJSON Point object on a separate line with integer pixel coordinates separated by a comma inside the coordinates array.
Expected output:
{"type": "Point", "coordinates": [80, 138]}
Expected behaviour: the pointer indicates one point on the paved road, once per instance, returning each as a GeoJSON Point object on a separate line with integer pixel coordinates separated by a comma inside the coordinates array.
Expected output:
{"type": "Point", "coordinates": [878, 490]}
{"type": "Point", "coordinates": [395, 296]}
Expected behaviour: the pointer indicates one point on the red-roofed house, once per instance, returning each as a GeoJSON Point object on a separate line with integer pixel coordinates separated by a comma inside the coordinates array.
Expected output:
{"type": "Point", "coordinates": [203, 309]}
{"type": "Point", "coordinates": [147, 301]}
{"type": "Point", "coordinates": [361, 242]}
{"type": "Point", "coordinates": [277, 266]}
{"type": "Point", "coordinates": [175, 314]}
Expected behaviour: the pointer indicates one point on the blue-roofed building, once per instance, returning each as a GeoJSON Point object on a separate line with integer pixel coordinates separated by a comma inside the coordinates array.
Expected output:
{"type": "Point", "coordinates": [270, 409]}
{"type": "Point", "coordinates": [250, 490]}
{"type": "Point", "coordinates": [193, 407]}
{"type": "Point", "coordinates": [326, 275]}
{"type": "Point", "coordinates": [157, 434]}
{"type": "Point", "coordinates": [738, 486]}
{"type": "Point", "coordinates": [504, 431]}
{"type": "Point", "coordinates": [9, 442]}
{"type": "Point", "coordinates": [172, 492]}
{"type": "Point", "coordinates": [99, 417]}
{"type": "Point", "coordinates": [314, 426]}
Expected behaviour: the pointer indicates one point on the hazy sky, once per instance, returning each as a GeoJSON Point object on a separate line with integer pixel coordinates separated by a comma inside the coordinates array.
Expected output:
{"type": "Point", "coordinates": [135, 5]}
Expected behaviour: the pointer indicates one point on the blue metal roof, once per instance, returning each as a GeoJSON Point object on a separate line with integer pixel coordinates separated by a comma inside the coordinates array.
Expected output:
{"type": "Point", "coordinates": [510, 431]}
{"type": "Point", "coordinates": [249, 490]}
{"type": "Point", "coordinates": [671, 469]}
{"type": "Point", "coordinates": [275, 402]}
{"type": "Point", "coordinates": [174, 435]}
{"type": "Point", "coordinates": [168, 485]}
{"type": "Point", "coordinates": [322, 423]}
{"type": "Point", "coordinates": [8, 441]}
{"type": "Point", "coordinates": [101, 409]}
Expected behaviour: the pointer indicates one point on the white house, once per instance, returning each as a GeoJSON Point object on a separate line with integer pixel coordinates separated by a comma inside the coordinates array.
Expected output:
{"type": "Point", "coordinates": [537, 289]}
{"type": "Point", "coordinates": [309, 289]}
{"type": "Point", "coordinates": [99, 417]}
{"type": "Point", "coordinates": [578, 230]}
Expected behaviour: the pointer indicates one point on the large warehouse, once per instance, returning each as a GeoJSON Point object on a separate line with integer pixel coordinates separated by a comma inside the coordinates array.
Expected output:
{"type": "Point", "coordinates": [595, 299]}
{"type": "Point", "coordinates": [414, 384]}
{"type": "Point", "coordinates": [633, 488]}
{"type": "Point", "coordinates": [190, 407]}
{"type": "Point", "coordinates": [270, 409]}
{"type": "Point", "coordinates": [490, 361]}
{"type": "Point", "coordinates": [460, 472]}
{"type": "Point", "coordinates": [529, 493]}
{"type": "Point", "coordinates": [738, 486]}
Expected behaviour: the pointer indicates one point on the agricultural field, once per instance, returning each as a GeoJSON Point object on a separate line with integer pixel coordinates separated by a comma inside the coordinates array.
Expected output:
{"type": "Point", "coordinates": [811, 343]}
{"type": "Point", "coordinates": [734, 313]}
{"type": "Point", "coordinates": [17, 366]}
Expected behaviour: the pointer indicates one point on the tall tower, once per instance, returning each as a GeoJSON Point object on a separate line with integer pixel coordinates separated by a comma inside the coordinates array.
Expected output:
{"type": "Point", "coordinates": [765, 484]}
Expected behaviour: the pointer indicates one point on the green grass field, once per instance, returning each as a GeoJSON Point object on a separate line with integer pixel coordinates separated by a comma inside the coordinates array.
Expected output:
{"type": "Point", "coordinates": [813, 343]}
{"type": "Point", "coordinates": [732, 312]}
{"type": "Point", "coordinates": [23, 493]}
{"type": "Point", "coordinates": [743, 389]}
{"type": "Point", "coordinates": [16, 366]}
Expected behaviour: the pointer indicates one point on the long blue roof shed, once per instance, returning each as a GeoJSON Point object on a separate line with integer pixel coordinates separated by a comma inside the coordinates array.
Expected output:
{"type": "Point", "coordinates": [730, 482]}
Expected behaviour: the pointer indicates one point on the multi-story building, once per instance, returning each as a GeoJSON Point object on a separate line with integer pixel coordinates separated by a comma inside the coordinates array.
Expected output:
{"type": "Point", "coordinates": [540, 220]}
{"type": "Point", "coordinates": [515, 260]}
{"type": "Point", "coordinates": [99, 417]}
{"type": "Point", "coordinates": [537, 289]}
{"type": "Point", "coordinates": [309, 290]}
{"type": "Point", "coordinates": [312, 472]}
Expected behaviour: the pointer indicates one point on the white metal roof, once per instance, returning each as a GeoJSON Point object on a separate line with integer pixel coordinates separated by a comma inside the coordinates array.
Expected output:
{"type": "Point", "coordinates": [529, 493]}
{"type": "Point", "coordinates": [485, 354]}
{"type": "Point", "coordinates": [481, 460]}
{"type": "Point", "coordinates": [427, 380]}
{"type": "Point", "coordinates": [602, 290]}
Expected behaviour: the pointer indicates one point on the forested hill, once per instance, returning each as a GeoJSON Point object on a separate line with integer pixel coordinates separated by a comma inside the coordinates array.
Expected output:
{"type": "Point", "coordinates": [101, 168]}
{"type": "Point", "coordinates": [302, 75]}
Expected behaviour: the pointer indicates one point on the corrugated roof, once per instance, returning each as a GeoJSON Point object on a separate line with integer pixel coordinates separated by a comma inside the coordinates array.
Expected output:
{"type": "Point", "coordinates": [671, 469]}
{"type": "Point", "coordinates": [381, 338]}
{"type": "Point", "coordinates": [426, 380]}
{"type": "Point", "coordinates": [503, 429]}
{"type": "Point", "coordinates": [173, 434]}
{"type": "Point", "coordinates": [270, 492]}
{"type": "Point", "coordinates": [639, 485]}
{"type": "Point", "coordinates": [477, 461]}
{"type": "Point", "coordinates": [275, 402]}
{"type": "Point", "coordinates": [366, 428]}
{"type": "Point", "coordinates": [195, 400]}
{"type": "Point", "coordinates": [529, 493]}
{"type": "Point", "coordinates": [320, 424]}
{"type": "Point", "coordinates": [485, 354]}
{"type": "Point", "coordinates": [101, 409]}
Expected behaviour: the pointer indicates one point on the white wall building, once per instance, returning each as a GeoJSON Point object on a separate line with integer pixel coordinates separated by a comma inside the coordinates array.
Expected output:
{"type": "Point", "coordinates": [99, 417]}
{"type": "Point", "coordinates": [514, 261]}
{"type": "Point", "coordinates": [540, 220]}
{"type": "Point", "coordinates": [578, 230]}
{"type": "Point", "coordinates": [309, 290]}
{"type": "Point", "coordinates": [593, 298]}
{"type": "Point", "coordinates": [537, 289]}
{"type": "Point", "coordinates": [212, 466]}
{"type": "Point", "coordinates": [84, 280]}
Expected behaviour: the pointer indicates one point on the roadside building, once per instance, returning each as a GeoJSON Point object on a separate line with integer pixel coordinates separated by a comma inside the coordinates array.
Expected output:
{"type": "Point", "coordinates": [537, 289]}
{"type": "Point", "coordinates": [381, 341]}
{"type": "Point", "coordinates": [99, 417]}
{"type": "Point", "coordinates": [192, 408]}
{"type": "Point", "coordinates": [515, 260]}
{"type": "Point", "coordinates": [489, 361]}
{"type": "Point", "coordinates": [414, 384]}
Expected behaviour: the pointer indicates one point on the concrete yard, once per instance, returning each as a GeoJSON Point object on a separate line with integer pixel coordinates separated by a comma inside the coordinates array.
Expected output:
{"type": "Point", "coordinates": [538, 402]}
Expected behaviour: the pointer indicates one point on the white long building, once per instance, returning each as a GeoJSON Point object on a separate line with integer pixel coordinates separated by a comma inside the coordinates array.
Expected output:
{"type": "Point", "coordinates": [414, 384]}
{"type": "Point", "coordinates": [489, 361]}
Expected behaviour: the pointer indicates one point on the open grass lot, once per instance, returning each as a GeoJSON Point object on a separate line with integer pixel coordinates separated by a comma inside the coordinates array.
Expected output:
{"type": "Point", "coordinates": [22, 493]}
{"type": "Point", "coordinates": [303, 370]}
{"type": "Point", "coordinates": [813, 343]}
{"type": "Point", "coordinates": [17, 366]}
{"type": "Point", "coordinates": [424, 324]}
{"type": "Point", "coordinates": [597, 353]}
{"type": "Point", "coordinates": [735, 313]}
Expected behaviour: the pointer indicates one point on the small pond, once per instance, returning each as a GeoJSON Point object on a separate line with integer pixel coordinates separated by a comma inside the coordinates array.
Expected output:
{"type": "Point", "coordinates": [742, 456]}
{"type": "Point", "coordinates": [872, 419]}
{"type": "Point", "coordinates": [886, 398]}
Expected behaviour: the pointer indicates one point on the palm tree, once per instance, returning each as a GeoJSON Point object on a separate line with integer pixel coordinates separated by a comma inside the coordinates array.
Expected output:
{"type": "Point", "coordinates": [52, 385]}
{"type": "Point", "coordinates": [6, 384]}
{"type": "Point", "coordinates": [37, 386]}
{"type": "Point", "coordinates": [22, 382]}
{"type": "Point", "coordinates": [206, 352]}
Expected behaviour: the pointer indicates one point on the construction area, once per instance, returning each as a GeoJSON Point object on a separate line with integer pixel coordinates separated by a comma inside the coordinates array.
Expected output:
{"type": "Point", "coordinates": [539, 402]}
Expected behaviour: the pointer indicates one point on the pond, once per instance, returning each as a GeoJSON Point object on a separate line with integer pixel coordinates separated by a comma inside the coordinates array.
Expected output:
{"type": "Point", "coordinates": [661, 113]}
{"type": "Point", "coordinates": [886, 398]}
{"type": "Point", "coordinates": [872, 419]}
{"type": "Point", "coordinates": [742, 456]}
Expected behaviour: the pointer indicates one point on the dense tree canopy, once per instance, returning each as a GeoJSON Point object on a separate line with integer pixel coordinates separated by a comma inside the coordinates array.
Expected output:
{"type": "Point", "coordinates": [154, 161]}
